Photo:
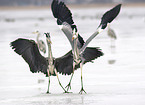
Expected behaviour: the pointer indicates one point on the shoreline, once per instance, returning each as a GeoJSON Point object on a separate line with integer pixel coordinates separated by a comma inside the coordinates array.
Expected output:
{"type": "Point", "coordinates": [100, 5]}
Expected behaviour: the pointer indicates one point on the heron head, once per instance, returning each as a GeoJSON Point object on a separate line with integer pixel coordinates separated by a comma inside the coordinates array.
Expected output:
{"type": "Point", "coordinates": [75, 35]}
{"type": "Point", "coordinates": [36, 32]}
{"type": "Point", "coordinates": [48, 37]}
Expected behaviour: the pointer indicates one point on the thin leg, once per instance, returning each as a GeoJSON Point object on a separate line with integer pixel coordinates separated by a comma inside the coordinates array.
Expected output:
{"type": "Point", "coordinates": [60, 83]}
{"type": "Point", "coordinates": [69, 84]}
{"type": "Point", "coordinates": [82, 89]}
{"type": "Point", "coordinates": [48, 81]}
{"type": "Point", "coordinates": [112, 43]}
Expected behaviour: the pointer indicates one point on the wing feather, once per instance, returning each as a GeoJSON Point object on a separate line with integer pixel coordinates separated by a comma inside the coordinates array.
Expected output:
{"type": "Point", "coordinates": [64, 64]}
{"type": "Point", "coordinates": [28, 49]}
{"type": "Point", "coordinates": [64, 17]}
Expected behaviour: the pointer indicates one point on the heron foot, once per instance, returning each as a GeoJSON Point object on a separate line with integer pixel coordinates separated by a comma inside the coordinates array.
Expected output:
{"type": "Point", "coordinates": [82, 90]}
{"type": "Point", "coordinates": [47, 92]}
{"type": "Point", "coordinates": [67, 92]}
{"type": "Point", "coordinates": [68, 87]}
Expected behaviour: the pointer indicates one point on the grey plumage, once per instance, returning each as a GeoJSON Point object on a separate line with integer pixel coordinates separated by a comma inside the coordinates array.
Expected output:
{"type": "Point", "coordinates": [28, 49]}
{"type": "Point", "coordinates": [79, 46]}
{"type": "Point", "coordinates": [111, 33]}
{"type": "Point", "coordinates": [41, 44]}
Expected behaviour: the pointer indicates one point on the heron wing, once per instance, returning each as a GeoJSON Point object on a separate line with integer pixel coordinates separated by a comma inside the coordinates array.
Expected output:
{"type": "Point", "coordinates": [108, 17]}
{"type": "Point", "coordinates": [28, 49]}
{"type": "Point", "coordinates": [92, 53]}
{"type": "Point", "coordinates": [64, 18]}
{"type": "Point", "coordinates": [64, 64]}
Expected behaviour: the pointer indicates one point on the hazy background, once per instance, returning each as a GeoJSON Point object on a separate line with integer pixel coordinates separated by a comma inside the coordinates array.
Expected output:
{"type": "Point", "coordinates": [117, 78]}
{"type": "Point", "coordinates": [47, 2]}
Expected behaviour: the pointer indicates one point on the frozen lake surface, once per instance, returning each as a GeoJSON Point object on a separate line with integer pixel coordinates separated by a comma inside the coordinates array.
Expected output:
{"type": "Point", "coordinates": [120, 83]}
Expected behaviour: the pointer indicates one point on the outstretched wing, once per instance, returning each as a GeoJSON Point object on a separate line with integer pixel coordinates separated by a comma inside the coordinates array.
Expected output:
{"type": "Point", "coordinates": [92, 53]}
{"type": "Point", "coordinates": [108, 17]}
{"type": "Point", "coordinates": [64, 20]}
{"type": "Point", "coordinates": [28, 49]}
{"type": "Point", "coordinates": [64, 64]}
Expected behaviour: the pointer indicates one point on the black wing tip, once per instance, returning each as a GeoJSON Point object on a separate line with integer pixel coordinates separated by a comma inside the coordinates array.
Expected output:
{"type": "Point", "coordinates": [14, 44]}
{"type": "Point", "coordinates": [92, 53]}
{"type": "Point", "coordinates": [61, 12]}
{"type": "Point", "coordinates": [119, 5]}
{"type": "Point", "coordinates": [109, 16]}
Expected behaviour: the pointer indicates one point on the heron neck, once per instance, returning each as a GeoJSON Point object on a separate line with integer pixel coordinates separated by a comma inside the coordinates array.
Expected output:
{"type": "Point", "coordinates": [38, 35]}
{"type": "Point", "coordinates": [50, 52]}
{"type": "Point", "coordinates": [50, 59]}
{"type": "Point", "coordinates": [76, 50]}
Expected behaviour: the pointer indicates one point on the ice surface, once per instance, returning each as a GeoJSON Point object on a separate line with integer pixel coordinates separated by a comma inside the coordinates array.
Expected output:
{"type": "Point", "coordinates": [120, 83]}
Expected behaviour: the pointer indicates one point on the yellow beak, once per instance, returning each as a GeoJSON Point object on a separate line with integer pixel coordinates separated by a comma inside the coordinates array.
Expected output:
{"type": "Point", "coordinates": [73, 38]}
{"type": "Point", "coordinates": [33, 32]}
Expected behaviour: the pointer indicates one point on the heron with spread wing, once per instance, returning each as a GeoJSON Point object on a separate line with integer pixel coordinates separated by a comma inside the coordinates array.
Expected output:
{"type": "Point", "coordinates": [28, 49]}
{"type": "Point", "coordinates": [79, 46]}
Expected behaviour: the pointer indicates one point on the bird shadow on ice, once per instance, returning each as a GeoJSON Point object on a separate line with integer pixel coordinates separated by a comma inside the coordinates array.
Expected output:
{"type": "Point", "coordinates": [55, 99]}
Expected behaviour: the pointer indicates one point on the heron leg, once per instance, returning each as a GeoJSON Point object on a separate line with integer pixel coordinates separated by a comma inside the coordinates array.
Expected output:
{"type": "Point", "coordinates": [48, 82]}
{"type": "Point", "coordinates": [69, 84]}
{"type": "Point", "coordinates": [60, 83]}
{"type": "Point", "coordinates": [82, 89]}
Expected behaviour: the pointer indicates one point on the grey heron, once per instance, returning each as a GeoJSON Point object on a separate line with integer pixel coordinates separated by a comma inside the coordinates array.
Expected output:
{"type": "Point", "coordinates": [28, 49]}
{"type": "Point", "coordinates": [41, 44]}
{"type": "Point", "coordinates": [111, 33]}
{"type": "Point", "coordinates": [64, 19]}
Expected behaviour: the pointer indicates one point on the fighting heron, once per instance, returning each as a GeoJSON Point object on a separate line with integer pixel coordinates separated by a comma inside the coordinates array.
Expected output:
{"type": "Point", "coordinates": [41, 44]}
{"type": "Point", "coordinates": [28, 49]}
{"type": "Point", "coordinates": [64, 19]}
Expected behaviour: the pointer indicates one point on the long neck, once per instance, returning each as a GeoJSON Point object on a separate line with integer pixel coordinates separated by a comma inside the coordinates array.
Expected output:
{"type": "Point", "coordinates": [49, 52]}
{"type": "Point", "coordinates": [76, 50]}
{"type": "Point", "coordinates": [50, 59]}
{"type": "Point", "coordinates": [38, 35]}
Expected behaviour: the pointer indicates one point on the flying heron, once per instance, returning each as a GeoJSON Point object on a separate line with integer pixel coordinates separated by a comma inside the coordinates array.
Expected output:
{"type": "Point", "coordinates": [64, 19]}
{"type": "Point", "coordinates": [41, 44]}
{"type": "Point", "coordinates": [28, 49]}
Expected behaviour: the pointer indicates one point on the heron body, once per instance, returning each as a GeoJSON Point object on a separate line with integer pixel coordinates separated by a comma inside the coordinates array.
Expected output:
{"type": "Point", "coordinates": [111, 33]}
{"type": "Point", "coordinates": [64, 19]}
{"type": "Point", "coordinates": [29, 50]}
{"type": "Point", "coordinates": [41, 44]}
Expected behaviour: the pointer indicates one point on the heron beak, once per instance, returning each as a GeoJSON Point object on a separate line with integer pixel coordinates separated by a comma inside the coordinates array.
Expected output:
{"type": "Point", "coordinates": [73, 38]}
{"type": "Point", "coordinates": [50, 42]}
{"type": "Point", "coordinates": [35, 32]}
